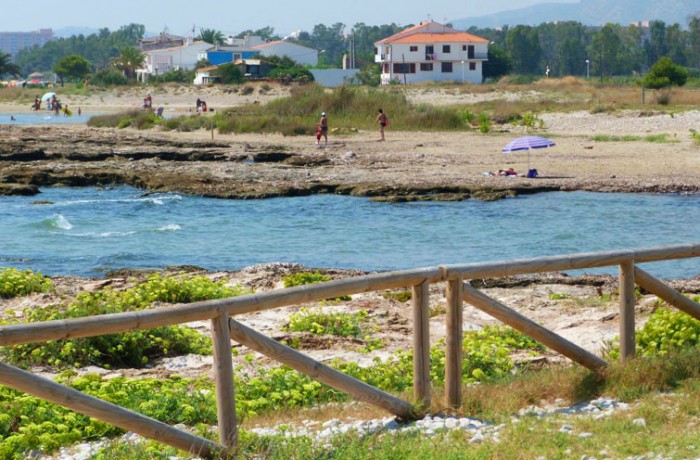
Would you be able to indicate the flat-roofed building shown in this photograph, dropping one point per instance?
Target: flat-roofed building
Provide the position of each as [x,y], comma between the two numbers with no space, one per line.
[12,42]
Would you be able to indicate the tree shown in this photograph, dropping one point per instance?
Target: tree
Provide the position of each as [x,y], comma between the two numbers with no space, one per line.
[99,49]
[523,45]
[268,33]
[215,37]
[7,67]
[229,74]
[664,74]
[499,63]
[694,39]
[72,66]
[129,60]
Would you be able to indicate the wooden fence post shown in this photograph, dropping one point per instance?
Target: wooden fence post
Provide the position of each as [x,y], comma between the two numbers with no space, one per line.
[453,344]
[225,390]
[627,301]
[421,343]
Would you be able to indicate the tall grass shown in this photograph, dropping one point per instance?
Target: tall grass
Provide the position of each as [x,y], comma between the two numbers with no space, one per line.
[347,107]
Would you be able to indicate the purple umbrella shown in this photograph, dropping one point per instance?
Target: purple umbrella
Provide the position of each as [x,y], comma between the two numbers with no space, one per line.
[528,143]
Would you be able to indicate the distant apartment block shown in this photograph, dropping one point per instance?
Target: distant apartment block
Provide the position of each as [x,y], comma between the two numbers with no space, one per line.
[12,42]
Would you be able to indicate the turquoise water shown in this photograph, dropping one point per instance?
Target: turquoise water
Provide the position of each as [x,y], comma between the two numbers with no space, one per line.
[88,231]
[43,117]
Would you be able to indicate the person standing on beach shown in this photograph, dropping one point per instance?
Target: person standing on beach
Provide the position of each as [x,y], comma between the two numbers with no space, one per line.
[382,120]
[323,125]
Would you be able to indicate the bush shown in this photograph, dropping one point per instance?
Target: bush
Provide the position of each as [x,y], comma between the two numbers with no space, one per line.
[332,323]
[14,283]
[666,332]
[108,77]
[664,74]
[174,76]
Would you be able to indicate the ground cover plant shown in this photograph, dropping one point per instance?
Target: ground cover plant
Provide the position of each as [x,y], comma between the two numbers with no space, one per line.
[303,278]
[132,349]
[14,282]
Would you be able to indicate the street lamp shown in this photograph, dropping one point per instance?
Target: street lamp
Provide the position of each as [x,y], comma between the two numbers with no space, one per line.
[588,69]
[462,72]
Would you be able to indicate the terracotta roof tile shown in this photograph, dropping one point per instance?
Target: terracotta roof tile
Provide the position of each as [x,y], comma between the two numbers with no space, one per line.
[430,35]
[460,37]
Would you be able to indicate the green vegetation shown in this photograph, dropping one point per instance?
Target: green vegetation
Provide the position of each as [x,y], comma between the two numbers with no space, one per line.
[98,49]
[302,278]
[400,296]
[664,73]
[7,67]
[331,323]
[72,66]
[14,282]
[667,330]
[136,119]
[132,349]
[28,423]
[655,138]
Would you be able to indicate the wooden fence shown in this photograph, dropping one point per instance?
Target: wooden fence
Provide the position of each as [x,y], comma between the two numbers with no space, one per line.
[224,328]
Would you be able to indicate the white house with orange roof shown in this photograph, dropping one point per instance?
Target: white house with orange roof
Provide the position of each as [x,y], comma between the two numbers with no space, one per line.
[431,52]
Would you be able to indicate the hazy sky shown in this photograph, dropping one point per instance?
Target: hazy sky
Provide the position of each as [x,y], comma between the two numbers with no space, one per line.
[233,17]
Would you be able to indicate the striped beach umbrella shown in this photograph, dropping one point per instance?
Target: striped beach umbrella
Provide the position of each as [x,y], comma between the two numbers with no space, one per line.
[528,143]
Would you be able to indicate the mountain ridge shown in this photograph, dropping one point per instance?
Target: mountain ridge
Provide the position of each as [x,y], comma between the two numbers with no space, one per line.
[589,12]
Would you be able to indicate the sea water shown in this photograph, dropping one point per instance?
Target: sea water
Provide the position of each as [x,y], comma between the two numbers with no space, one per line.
[42,117]
[89,231]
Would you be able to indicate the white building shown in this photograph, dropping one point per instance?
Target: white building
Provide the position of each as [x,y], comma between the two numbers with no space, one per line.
[300,54]
[431,52]
[160,61]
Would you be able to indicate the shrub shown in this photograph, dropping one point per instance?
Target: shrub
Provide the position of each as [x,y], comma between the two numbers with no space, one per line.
[666,332]
[14,282]
[299,279]
[484,123]
[108,77]
[401,296]
[332,323]
[664,74]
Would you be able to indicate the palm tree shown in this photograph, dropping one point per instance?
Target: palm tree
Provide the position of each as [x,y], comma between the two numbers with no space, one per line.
[7,67]
[215,37]
[129,60]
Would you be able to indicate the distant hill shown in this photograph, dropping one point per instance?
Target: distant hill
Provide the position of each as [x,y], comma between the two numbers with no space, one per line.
[590,12]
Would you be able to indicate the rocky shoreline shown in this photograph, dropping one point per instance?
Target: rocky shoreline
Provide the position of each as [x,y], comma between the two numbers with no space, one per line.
[451,166]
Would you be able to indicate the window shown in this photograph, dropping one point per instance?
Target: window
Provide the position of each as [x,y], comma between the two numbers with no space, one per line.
[470,52]
[426,67]
[404,68]
[429,49]
[464,47]
[413,49]
[446,67]
[445,48]
[472,66]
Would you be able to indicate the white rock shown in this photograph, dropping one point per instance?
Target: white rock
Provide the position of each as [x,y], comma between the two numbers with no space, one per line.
[639,422]
[585,435]
[477,438]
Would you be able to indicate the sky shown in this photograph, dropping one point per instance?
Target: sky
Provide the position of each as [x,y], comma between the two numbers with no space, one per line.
[233,17]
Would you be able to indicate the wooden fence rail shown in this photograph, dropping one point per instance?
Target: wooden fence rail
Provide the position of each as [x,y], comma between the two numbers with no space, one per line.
[224,329]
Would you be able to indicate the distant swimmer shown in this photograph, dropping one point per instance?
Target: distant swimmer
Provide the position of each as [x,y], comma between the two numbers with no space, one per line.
[12,118]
